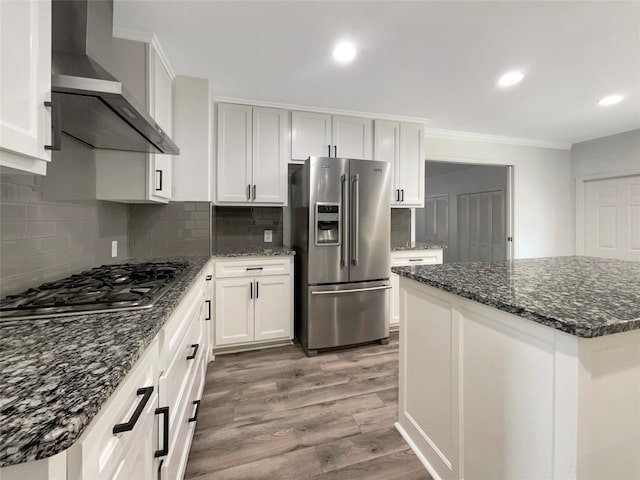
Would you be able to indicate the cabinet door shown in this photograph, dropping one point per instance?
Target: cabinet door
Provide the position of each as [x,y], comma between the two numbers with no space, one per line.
[25,76]
[234,153]
[386,148]
[160,103]
[270,155]
[394,318]
[310,135]
[351,137]
[272,307]
[234,310]
[410,168]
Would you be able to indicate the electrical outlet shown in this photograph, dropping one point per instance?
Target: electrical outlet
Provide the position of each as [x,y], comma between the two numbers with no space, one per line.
[114,248]
[268,236]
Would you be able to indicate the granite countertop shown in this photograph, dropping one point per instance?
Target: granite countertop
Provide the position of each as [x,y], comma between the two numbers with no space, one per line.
[56,373]
[252,252]
[583,296]
[397,247]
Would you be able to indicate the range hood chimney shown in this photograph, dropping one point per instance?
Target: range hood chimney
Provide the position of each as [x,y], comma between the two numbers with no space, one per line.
[95,108]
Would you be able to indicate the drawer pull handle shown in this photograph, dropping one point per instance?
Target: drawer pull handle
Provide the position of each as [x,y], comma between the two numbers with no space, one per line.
[254,268]
[416,259]
[128,426]
[208,302]
[195,347]
[56,126]
[164,411]
[195,414]
[209,277]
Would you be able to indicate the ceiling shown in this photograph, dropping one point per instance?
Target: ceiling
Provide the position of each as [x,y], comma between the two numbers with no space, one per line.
[434,61]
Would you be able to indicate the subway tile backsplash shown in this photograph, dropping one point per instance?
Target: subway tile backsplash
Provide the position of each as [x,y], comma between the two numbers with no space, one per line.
[400,225]
[44,238]
[176,228]
[244,226]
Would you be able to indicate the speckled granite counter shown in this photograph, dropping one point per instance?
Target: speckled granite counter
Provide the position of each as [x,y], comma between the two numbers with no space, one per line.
[56,373]
[253,252]
[398,247]
[583,296]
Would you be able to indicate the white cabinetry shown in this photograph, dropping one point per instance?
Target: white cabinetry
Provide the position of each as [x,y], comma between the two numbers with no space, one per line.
[252,155]
[132,177]
[322,135]
[253,301]
[193,132]
[408,258]
[402,144]
[25,77]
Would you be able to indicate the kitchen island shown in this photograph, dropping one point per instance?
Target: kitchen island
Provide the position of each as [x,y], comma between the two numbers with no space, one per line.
[522,369]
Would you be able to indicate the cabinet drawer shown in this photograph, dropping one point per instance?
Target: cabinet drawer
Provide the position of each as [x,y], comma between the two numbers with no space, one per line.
[416,257]
[253,268]
[100,453]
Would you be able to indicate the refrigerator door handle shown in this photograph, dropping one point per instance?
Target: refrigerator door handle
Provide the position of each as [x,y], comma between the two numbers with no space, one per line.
[354,290]
[355,237]
[343,203]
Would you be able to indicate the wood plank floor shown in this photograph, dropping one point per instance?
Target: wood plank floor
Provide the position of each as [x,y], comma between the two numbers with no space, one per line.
[276,414]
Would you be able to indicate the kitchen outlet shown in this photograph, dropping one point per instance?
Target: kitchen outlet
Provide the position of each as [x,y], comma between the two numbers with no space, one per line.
[114,248]
[268,236]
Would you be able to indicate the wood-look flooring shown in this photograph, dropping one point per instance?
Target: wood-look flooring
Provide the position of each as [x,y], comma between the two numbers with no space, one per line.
[276,414]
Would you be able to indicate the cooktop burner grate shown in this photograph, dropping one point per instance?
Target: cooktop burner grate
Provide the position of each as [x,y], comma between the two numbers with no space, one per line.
[107,288]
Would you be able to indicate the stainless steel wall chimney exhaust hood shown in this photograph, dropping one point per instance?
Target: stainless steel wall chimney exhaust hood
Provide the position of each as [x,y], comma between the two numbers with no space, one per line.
[95,108]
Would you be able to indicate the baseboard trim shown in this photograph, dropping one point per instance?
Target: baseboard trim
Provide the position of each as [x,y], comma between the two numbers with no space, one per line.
[252,346]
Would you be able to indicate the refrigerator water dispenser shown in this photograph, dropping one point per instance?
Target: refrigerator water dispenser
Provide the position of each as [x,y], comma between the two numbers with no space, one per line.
[328,227]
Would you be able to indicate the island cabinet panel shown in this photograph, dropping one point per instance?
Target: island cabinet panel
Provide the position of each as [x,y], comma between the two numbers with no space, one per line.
[485,394]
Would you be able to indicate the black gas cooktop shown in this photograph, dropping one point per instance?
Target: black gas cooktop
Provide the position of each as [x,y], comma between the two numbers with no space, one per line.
[107,288]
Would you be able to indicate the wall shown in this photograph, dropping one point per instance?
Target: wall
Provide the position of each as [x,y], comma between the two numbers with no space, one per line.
[176,228]
[469,180]
[543,217]
[607,156]
[244,226]
[52,226]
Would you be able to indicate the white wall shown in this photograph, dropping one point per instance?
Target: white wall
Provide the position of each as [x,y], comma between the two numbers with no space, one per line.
[543,199]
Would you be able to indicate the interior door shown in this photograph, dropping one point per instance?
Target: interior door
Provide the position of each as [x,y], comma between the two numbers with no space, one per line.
[612,218]
[481,226]
[370,220]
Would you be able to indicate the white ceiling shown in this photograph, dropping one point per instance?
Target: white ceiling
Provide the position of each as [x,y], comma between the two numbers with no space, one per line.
[436,61]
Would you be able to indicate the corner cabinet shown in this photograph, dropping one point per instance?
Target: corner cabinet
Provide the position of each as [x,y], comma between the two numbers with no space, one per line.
[132,177]
[25,76]
[322,135]
[252,155]
[402,145]
[253,301]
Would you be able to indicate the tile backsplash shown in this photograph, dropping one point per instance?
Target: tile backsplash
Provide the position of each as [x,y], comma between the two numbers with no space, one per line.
[244,226]
[400,225]
[44,238]
[177,228]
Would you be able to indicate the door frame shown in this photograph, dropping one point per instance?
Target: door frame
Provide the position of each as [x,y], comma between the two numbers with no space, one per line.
[510,196]
[580,199]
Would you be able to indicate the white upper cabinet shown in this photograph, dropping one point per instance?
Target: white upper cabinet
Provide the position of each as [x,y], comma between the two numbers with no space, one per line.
[192,177]
[25,79]
[402,144]
[323,135]
[133,177]
[252,155]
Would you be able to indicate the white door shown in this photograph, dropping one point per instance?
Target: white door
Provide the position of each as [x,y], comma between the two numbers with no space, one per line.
[351,137]
[481,226]
[310,135]
[410,165]
[612,218]
[386,148]
[234,310]
[272,307]
[270,155]
[25,77]
[234,153]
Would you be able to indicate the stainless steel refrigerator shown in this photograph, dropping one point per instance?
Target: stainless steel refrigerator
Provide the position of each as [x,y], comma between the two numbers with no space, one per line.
[341,235]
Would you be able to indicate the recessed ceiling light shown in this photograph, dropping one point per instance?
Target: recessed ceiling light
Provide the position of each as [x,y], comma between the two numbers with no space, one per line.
[611,100]
[510,78]
[344,52]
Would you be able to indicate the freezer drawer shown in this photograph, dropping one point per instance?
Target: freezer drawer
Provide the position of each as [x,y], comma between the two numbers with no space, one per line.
[346,314]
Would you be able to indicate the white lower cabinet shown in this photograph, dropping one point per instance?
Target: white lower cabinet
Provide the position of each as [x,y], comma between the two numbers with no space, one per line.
[253,301]
[408,258]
